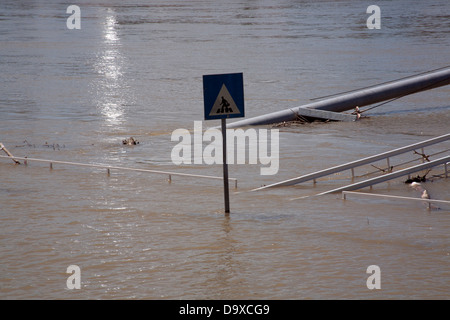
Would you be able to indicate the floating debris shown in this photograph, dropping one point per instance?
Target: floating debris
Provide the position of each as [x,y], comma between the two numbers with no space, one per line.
[299,120]
[423,155]
[130,141]
[54,146]
[418,179]
[388,170]
[26,144]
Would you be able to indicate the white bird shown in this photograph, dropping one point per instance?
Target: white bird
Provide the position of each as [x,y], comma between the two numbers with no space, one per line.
[425,195]
[417,186]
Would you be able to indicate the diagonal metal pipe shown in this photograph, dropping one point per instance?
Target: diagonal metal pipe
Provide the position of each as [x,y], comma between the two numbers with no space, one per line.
[363,97]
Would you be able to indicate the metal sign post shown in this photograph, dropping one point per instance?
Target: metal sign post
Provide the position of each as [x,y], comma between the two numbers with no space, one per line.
[223,96]
[226,192]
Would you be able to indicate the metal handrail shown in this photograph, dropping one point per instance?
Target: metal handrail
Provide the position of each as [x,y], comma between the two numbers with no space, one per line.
[390,176]
[357,163]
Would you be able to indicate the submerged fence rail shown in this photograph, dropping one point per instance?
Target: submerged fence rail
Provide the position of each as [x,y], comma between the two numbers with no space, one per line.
[109,167]
[345,194]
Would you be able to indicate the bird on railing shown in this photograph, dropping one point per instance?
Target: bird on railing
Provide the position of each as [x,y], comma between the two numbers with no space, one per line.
[424,194]
[418,187]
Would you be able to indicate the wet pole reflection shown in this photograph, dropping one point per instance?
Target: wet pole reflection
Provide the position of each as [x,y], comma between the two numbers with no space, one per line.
[225,277]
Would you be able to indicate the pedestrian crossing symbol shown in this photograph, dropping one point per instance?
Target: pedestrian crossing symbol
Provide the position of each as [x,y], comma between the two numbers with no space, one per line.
[224,104]
[223,96]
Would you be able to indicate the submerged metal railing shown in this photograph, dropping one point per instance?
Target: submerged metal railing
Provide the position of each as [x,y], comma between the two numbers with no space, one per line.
[109,168]
[358,163]
[393,175]
[345,194]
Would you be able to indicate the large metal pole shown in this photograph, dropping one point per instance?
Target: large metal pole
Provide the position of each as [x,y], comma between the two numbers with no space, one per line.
[364,97]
